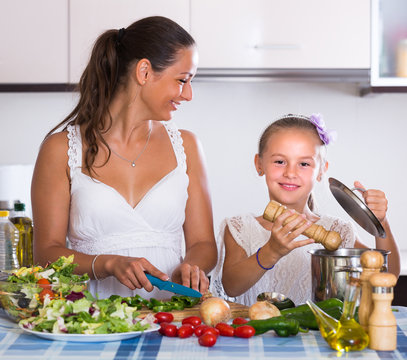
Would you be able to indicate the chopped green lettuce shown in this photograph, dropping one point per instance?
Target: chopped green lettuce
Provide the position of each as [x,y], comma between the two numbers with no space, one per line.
[86,316]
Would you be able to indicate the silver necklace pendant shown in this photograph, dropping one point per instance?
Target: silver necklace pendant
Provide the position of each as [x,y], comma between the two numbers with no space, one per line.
[133,163]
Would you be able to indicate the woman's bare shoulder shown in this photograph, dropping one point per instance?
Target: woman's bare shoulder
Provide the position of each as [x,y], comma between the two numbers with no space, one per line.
[53,153]
[191,143]
[188,137]
[56,144]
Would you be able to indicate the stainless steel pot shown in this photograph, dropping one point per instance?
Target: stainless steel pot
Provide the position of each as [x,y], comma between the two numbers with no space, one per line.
[331,270]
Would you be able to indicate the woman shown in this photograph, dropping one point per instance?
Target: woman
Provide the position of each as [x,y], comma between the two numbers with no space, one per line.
[120,180]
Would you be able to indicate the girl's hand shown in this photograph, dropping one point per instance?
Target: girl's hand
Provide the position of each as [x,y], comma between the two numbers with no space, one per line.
[130,271]
[375,201]
[282,240]
[191,276]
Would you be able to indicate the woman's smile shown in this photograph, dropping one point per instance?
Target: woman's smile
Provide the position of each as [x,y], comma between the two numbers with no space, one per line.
[174,105]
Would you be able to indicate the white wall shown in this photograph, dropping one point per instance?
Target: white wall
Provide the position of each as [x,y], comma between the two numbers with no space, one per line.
[228,117]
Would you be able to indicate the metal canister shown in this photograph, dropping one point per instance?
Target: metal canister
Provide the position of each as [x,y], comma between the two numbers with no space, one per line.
[331,270]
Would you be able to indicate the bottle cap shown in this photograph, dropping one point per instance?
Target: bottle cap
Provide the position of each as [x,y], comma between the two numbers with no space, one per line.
[6,205]
[4,213]
[19,207]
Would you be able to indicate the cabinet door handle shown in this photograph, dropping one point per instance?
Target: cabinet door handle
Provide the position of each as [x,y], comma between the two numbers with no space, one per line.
[277,46]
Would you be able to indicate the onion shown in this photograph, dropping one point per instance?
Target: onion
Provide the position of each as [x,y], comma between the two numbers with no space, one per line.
[263,310]
[215,310]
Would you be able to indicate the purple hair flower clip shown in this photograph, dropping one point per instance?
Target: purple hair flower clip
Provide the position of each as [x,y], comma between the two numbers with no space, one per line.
[327,136]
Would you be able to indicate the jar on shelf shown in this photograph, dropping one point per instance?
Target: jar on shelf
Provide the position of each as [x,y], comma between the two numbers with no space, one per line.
[401,58]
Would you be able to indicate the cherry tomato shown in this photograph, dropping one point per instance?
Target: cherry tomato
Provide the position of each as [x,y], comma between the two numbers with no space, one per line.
[245,331]
[239,321]
[225,329]
[193,320]
[185,331]
[164,317]
[200,329]
[163,325]
[45,292]
[170,330]
[207,339]
[211,330]
[44,283]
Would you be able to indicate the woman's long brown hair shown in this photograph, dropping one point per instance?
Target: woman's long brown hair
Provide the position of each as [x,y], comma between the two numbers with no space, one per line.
[155,38]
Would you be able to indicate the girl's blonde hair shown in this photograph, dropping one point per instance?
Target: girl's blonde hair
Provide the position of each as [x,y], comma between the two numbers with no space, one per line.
[291,121]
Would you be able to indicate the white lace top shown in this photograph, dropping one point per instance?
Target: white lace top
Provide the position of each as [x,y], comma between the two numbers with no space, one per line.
[102,222]
[291,275]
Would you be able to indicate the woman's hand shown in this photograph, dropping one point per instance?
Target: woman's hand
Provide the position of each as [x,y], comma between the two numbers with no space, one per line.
[191,276]
[130,271]
[282,239]
[375,200]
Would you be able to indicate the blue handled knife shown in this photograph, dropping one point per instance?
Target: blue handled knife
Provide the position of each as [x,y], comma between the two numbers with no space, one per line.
[173,287]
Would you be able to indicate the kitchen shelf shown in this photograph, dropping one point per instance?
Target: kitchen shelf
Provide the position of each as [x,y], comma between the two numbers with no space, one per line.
[388,46]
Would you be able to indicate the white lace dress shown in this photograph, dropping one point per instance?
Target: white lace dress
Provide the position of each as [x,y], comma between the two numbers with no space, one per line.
[102,222]
[291,275]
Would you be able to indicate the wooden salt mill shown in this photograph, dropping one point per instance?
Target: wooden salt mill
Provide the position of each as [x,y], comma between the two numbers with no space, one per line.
[329,239]
[371,261]
[382,322]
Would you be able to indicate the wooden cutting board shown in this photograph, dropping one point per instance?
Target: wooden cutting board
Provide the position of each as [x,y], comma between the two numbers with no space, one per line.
[236,309]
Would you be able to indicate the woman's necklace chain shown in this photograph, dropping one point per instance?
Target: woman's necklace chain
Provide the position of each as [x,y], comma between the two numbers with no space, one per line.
[133,162]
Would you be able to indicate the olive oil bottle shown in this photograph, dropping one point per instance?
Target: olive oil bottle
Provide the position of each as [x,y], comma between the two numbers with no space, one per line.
[24,225]
[346,334]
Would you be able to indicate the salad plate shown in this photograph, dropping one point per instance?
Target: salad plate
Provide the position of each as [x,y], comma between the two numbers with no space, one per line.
[90,337]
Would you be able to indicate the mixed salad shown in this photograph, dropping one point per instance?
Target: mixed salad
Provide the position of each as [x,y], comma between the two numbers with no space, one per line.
[53,299]
[27,289]
[81,313]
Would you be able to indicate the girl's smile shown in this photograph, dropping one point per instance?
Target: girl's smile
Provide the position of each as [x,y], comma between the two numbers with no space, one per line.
[289,187]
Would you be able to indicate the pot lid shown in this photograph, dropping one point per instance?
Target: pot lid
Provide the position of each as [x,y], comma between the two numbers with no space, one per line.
[356,208]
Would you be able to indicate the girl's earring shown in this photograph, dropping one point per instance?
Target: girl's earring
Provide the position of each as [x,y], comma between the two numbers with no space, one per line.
[260,173]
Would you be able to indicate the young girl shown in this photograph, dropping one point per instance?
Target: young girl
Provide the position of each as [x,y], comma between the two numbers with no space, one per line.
[257,255]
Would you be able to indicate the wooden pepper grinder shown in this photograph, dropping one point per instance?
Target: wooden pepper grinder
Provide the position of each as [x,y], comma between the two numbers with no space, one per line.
[329,239]
[382,322]
[371,261]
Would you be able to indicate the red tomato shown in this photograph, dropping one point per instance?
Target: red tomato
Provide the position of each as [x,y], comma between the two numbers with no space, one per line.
[225,329]
[211,330]
[207,339]
[45,292]
[245,331]
[164,317]
[163,325]
[239,321]
[200,329]
[185,331]
[44,283]
[193,320]
[170,330]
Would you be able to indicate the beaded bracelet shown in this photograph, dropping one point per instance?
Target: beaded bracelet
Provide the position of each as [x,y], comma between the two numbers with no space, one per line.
[257,257]
[93,267]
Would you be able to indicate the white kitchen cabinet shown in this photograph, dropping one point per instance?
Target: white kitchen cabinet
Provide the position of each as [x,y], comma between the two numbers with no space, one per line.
[34,41]
[389,44]
[285,34]
[88,19]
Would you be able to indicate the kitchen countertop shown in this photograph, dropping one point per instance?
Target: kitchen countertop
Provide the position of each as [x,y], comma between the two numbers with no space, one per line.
[15,344]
